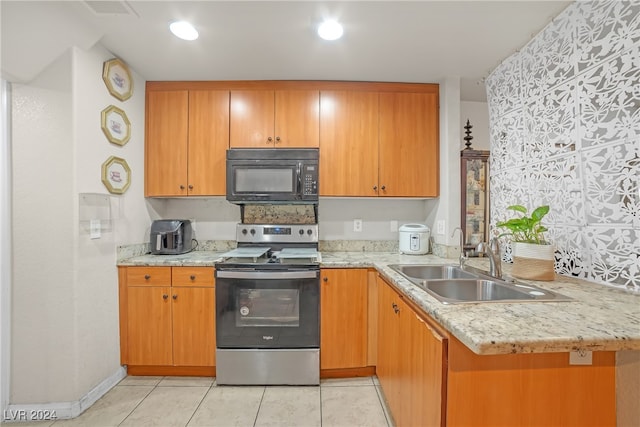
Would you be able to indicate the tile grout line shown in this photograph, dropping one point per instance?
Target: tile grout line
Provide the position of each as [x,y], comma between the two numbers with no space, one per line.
[255,420]
[199,404]
[140,403]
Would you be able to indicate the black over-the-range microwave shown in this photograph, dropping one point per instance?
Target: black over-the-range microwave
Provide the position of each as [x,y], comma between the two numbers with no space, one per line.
[272,175]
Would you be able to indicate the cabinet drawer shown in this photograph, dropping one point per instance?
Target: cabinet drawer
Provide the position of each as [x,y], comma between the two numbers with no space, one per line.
[193,276]
[149,276]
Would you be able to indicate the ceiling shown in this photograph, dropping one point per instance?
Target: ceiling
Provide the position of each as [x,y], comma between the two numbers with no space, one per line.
[415,41]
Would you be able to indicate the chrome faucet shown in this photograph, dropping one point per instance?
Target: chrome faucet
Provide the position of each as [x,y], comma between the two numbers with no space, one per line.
[462,259]
[493,251]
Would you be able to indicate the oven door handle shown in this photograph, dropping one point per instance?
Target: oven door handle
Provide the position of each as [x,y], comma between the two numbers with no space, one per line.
[230,274]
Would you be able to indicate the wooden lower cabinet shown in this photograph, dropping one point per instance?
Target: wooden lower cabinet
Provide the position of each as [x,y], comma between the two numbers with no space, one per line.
[167,319]
[430,378]
[344,318]
[411,362]
[193,314]
[149,326]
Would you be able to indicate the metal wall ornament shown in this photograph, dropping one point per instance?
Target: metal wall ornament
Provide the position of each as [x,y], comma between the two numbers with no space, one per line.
[117,77]
[116,125]
[116,175]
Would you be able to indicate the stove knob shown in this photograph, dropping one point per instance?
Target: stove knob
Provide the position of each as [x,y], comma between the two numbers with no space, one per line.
[253,232]
[244,231]
[309,232]
[301,231]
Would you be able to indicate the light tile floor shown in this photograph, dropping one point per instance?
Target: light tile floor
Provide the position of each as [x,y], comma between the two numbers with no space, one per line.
[199,402]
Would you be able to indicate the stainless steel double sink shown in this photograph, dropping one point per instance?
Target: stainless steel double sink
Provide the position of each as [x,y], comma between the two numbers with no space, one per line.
[450,284]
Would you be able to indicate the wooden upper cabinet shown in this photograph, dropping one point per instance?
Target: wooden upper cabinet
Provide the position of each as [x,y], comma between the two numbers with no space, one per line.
[409,141]
[348,143]
[186,141]
[297,121]
[280,119]
[167,136]
[251,121]
[208,142]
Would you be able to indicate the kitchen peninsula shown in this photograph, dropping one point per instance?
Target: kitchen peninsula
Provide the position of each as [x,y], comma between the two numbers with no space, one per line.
[497,355]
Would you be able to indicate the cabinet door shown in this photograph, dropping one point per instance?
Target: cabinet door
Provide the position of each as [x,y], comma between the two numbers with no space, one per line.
[193,326]
[149,325]
[411,362]
[425,371]
[167,116]
[409,142]
[208,142]
[251,118]
[344,314]
[348,143]
[389,353]
[297,118]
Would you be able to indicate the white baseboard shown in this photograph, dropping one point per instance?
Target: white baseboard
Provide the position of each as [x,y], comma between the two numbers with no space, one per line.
[62,410]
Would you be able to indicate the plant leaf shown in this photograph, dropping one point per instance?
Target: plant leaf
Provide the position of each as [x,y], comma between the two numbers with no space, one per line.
[518,208]
[540,212]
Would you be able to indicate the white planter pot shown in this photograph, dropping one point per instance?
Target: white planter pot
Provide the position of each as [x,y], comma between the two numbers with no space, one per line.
[533,262]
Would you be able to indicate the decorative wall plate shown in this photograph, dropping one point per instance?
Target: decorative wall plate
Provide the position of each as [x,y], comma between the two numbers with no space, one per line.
[117,77]
[116,125]
[116,175]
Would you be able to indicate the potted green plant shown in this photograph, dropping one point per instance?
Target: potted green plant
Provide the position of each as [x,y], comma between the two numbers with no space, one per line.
[533,255]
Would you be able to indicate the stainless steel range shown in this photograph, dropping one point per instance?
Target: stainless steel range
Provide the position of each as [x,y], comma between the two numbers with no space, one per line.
[267,307]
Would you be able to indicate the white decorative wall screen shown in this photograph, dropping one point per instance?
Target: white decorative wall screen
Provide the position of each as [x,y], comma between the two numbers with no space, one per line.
[564,118]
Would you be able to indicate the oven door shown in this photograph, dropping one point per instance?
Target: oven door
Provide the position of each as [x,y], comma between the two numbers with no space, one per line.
[267,309]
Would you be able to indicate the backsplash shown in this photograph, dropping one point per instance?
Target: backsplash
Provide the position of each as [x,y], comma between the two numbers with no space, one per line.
[565,131]
[279,214]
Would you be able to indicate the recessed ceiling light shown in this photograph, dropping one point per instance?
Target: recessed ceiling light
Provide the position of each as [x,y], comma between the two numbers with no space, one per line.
[330,30]
[183,30]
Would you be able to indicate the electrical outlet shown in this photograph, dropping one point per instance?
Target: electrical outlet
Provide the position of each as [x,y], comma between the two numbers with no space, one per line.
[357,225]
[440,225]
[581,357]
[393,226]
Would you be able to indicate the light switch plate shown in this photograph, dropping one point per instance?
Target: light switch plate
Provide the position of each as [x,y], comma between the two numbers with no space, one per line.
[94,229]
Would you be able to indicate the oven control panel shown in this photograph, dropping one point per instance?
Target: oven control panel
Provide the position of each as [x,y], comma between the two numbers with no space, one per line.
[294,233]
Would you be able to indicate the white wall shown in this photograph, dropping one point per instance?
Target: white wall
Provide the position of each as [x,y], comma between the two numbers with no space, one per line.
[43,343]
[5,242]
[96,291]
[65,340]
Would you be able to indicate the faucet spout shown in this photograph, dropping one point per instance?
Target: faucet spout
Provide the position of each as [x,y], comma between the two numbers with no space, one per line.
[462,259]
[492,249]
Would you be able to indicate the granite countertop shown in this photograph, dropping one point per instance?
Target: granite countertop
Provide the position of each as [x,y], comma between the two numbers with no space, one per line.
[600,318]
